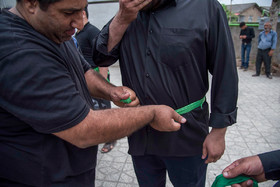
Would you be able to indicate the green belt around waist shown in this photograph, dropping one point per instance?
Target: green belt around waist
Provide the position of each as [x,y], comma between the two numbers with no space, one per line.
[182,110]
[191,106]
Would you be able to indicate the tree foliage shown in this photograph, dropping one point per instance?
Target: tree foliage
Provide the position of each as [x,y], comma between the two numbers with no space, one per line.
[230,16]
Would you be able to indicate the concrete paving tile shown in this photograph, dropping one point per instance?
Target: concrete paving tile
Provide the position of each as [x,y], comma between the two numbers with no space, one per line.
[253,136]
[275,146]
[257,148]
[235,148]
[109,184]
[126,185]
[271,136]
[98,183]
[126,178]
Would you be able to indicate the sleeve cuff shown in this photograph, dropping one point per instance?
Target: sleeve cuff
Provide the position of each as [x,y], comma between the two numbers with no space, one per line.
[102,43]
[271,164]
[218,120]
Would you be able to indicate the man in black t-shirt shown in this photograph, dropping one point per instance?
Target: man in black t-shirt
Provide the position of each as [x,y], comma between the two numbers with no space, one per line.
[48,128]
[246,34]
[85,38]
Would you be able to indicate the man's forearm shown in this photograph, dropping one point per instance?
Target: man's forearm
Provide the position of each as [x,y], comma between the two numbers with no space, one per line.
[104,72]
[107,125]
[98,86]
[116,32]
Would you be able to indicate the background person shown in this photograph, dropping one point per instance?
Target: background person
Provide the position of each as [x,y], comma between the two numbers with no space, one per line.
[266,45]
[246,34]
[85,38]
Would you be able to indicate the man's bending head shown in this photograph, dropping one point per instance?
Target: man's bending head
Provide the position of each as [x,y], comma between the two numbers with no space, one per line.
[56,19]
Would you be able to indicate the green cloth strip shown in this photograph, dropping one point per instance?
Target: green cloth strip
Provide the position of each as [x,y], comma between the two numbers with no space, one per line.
[127,101]
[191,106]
[96,69]
[221,181]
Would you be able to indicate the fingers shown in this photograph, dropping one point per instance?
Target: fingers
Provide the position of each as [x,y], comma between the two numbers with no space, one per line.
[139,3]
[248,183]
[177,120]
[177,117]
[233,170]
[134,5]
[175,126]
[134,102]
[143,4]
[204,152]
[212,158]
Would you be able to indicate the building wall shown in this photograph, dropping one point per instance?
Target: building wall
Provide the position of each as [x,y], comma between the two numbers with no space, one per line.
[235,31]
[254,12]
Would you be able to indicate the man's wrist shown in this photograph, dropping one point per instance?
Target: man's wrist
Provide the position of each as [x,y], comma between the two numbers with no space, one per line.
[121,21]
[220,131]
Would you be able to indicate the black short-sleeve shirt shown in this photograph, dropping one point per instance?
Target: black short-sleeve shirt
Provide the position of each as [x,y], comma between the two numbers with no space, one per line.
[42,91]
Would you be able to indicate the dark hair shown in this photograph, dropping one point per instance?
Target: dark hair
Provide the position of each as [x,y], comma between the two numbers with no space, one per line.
[44,4]
[241,24]
[86,10]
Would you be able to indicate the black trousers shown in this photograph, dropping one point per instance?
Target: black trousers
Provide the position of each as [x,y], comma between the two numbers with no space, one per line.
[263,56]
[182,171]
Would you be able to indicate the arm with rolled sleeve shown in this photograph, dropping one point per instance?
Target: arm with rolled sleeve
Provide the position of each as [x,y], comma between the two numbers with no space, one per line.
[222,65]
[101,56]
[224,89]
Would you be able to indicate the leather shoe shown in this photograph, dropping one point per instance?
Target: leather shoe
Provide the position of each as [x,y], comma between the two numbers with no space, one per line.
[255,75]
[269,76]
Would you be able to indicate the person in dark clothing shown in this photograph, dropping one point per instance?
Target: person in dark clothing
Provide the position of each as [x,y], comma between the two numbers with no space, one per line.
[48,126]
[246,34]
[165,52]
[262,167]
[266,45]
[85,38]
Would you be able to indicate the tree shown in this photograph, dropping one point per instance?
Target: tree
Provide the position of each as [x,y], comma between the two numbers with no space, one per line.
[229,14]
[273,12]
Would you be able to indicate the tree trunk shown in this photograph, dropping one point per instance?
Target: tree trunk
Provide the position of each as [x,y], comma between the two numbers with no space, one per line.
[273,12]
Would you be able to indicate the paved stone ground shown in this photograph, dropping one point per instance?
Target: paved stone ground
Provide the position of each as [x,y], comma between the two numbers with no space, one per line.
[256,131]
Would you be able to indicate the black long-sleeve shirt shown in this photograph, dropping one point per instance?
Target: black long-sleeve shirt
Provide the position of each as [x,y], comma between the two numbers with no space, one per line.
[250,34]
[165,56]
